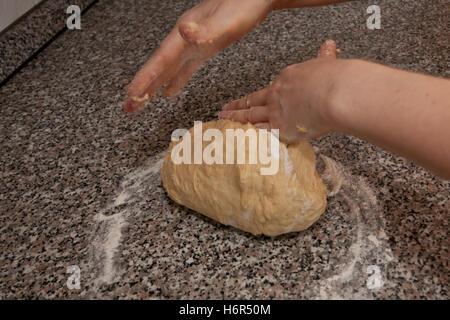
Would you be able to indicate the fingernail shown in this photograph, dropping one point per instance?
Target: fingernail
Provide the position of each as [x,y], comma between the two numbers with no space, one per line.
[129,105]
[329,43]
[138,99]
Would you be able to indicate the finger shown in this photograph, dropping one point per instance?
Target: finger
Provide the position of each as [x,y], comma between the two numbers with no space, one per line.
[327,49]
[134,103]
[183,76]
[258,98]
[252,115]
[131,105]
[168,53]
[153,88]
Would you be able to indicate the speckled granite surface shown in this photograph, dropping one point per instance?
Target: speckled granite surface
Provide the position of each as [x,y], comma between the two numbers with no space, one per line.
[24,38]
[79,177]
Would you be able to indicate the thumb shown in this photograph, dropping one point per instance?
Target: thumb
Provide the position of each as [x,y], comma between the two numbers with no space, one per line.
[327,50]
[193,32]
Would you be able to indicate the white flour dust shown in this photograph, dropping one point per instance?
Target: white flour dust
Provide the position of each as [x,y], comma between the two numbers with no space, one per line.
[111,242]
[369,240]
[111,220]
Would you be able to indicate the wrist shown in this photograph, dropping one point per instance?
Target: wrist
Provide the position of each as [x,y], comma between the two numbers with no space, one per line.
[284,4]
[346,85]
[277,4]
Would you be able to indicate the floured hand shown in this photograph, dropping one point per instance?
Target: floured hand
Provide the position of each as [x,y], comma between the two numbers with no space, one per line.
[199,34]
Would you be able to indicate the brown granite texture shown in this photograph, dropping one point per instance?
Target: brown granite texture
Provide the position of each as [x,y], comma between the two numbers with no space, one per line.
[80,182]
[21,40]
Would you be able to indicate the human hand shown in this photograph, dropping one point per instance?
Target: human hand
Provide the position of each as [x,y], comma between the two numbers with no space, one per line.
[297,102]
[199,34]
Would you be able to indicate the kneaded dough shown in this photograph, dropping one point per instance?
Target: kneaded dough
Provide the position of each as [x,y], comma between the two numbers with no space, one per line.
[238,195]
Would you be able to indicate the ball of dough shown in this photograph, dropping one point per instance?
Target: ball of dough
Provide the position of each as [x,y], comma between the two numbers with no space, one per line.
[238,195]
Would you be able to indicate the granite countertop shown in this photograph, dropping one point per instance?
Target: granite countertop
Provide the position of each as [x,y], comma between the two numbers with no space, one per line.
[25,37]
[80,179]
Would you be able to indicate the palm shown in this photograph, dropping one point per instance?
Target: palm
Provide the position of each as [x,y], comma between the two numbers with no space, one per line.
[199,34]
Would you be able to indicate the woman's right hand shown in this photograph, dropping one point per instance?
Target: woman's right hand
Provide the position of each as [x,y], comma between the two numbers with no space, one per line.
[199,34]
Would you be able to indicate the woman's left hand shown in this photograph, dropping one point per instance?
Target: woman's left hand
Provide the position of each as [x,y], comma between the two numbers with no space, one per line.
[297,102]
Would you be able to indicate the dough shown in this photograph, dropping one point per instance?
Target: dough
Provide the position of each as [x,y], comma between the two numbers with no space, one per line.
[238,195]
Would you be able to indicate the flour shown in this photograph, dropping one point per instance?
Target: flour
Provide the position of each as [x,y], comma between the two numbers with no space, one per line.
[107,234]
[112,241]
[370,240]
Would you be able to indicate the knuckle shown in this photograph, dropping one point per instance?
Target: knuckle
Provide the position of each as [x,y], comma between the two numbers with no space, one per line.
[242,102]
[290,67]
[288,70]
[250,116]
[184,17]
[276,86]
[250,99]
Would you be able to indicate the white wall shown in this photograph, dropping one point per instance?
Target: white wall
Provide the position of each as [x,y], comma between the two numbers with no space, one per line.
[11,10]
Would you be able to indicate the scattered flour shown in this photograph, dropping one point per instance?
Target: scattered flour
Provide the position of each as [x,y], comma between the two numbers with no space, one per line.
[370,240]
[107,233]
